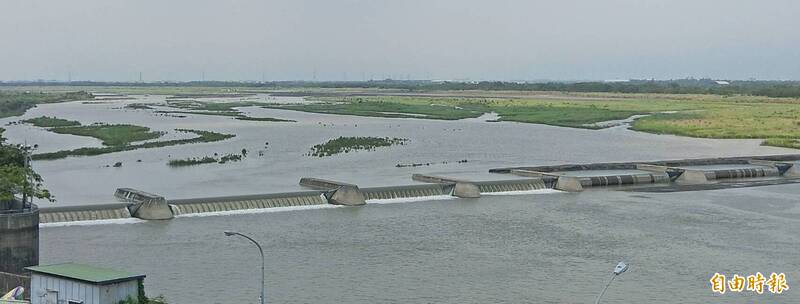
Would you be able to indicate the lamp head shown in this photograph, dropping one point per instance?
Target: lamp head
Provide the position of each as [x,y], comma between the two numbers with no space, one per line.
[230,233]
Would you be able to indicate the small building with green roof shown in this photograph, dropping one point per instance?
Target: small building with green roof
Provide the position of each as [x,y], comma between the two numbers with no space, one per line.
[71,283]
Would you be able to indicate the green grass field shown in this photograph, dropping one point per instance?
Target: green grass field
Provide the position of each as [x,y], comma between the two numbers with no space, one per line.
[393,107]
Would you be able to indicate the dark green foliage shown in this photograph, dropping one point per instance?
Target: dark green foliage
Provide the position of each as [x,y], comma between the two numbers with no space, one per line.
[15,178]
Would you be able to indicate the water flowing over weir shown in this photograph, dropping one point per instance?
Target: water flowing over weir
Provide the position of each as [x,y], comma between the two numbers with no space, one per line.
[515,185]
[83,213]
[413,191]
[659,176]
[231,203]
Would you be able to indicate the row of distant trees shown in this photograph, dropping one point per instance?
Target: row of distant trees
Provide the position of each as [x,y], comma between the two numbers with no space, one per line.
[679,86]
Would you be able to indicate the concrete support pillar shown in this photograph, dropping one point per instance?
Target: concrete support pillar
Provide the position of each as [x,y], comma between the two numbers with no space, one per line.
[152,210]
[569,184]
[19,248]
[793,171]
[466,190]
[692,177]
[348,195]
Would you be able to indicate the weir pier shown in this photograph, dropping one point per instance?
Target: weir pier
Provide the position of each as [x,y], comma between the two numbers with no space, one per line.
[19,246]
[653,176]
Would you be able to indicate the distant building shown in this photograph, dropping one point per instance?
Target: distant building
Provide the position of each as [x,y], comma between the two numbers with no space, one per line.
[722,82]
[82,284]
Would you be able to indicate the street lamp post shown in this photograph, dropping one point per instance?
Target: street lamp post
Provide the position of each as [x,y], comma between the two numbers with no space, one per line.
[261,251]
[618,270]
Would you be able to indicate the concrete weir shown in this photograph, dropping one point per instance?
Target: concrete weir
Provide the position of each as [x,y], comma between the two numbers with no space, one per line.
[575,177]
[84,213]
[656,176]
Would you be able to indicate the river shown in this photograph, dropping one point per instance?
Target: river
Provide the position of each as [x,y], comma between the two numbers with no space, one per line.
[545,247]
[485,145]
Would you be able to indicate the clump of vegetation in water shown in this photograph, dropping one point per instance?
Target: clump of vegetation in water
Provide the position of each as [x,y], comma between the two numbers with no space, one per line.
[217,109]
[138,106]
[347,144]
[203,136]
[15,103]
[263,119]
[231,157]
[191,161]
[112,135]
[51,122]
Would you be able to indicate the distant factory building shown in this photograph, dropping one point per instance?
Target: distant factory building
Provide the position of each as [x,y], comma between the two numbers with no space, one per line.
[82,284]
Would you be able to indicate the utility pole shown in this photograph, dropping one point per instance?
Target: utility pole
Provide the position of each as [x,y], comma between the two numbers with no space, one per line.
[26,151]
[140,76]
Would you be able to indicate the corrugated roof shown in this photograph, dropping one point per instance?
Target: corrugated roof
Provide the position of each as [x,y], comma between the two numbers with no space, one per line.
[86,273]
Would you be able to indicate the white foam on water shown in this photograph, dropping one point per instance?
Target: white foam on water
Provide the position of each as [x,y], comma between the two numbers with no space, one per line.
[410,199]
[523,192]
[260,210]
[120,221]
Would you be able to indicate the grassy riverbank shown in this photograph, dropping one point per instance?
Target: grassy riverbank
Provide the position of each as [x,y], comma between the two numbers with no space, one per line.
[394,107]
[15,103]
[776,120]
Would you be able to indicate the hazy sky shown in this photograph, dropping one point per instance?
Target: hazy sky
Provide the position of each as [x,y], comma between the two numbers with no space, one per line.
[433,39]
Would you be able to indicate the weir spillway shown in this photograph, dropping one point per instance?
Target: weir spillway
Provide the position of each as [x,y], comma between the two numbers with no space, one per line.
[657,176]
